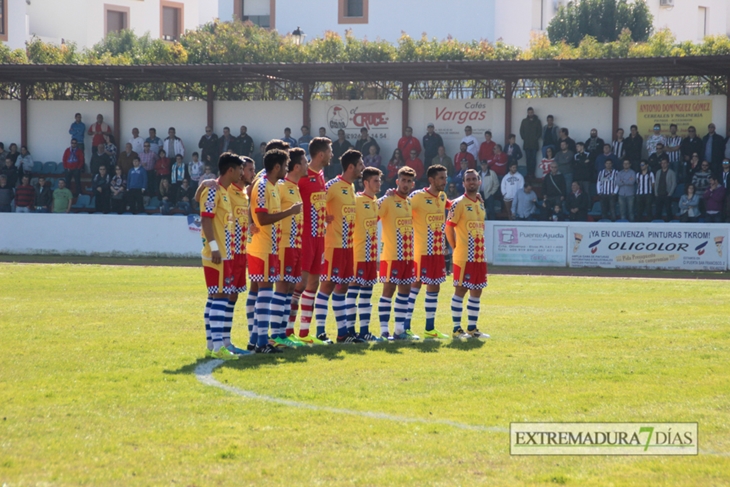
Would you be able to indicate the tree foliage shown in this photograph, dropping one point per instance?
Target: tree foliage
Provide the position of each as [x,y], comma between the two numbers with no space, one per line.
[603,20]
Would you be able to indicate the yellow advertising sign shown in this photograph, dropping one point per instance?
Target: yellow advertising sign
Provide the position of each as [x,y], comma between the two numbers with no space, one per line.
[683,112]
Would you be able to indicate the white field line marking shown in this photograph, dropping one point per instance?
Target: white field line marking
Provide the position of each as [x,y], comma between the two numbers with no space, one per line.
[204,373]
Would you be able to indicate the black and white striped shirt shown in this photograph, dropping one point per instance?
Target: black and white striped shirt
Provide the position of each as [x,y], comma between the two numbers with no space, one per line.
[618,148]
[675,141]
[645,183]
[607,182]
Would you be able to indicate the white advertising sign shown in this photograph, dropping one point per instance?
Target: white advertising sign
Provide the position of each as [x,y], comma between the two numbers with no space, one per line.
[529,245]
[653,247]
[351,116]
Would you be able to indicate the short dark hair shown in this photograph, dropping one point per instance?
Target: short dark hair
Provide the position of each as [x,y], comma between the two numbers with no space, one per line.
[673,125]
[511,136]
[565,131]
[472,171]
[579,143]
[550,116]
[434,170]
[273,158]
[227,128]
[305,127]
[370,172]
[246,160]
[295,157]
[318,144]
[287,128]
[530,108]
[350,158]
[276,144]
[634,127]
[406,171]
[195,154]
[228,160]
[488,132]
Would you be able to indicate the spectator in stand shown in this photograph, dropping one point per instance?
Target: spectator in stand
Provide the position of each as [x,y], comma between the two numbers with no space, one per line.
[226,143]
[607,155]
[166,196]
[43,196]
[195,169]
[583,169]
[136,141]
[73,165]
[666,183]
[691,144]
[13,153]
[565,137]
[373,159]
[499,162]
[530,131]
[117,187]
[323,133]
[725,174]
[713,148]
[444,160]
[305,139]
[365,141]
[462,155]
[10,172]
[553,187]
[417,165]
[101,186]
[136,186]
[633,146]
[701,178]
[550,137]
[185,195]
[24,163]
[452,192]
[644,191]
[288,138]
[654,139]
[24,196]
[3,152]
[244,142]
[626,180]
[714,198]
[208,174]
[258,159]
[208,145]
[544,167]
[391,172]
[77,131]
[607,190]
[673,148]
[62,198]
[578,204]
[98,131]
[154,141]
[511,183]
[178,172]
[472,144]
[564,159]
[690,169]
[594,147]
[173,145]
[339,147]
[523,206]
[488,189]
[513,151]
[556,214]
[99,158]
[689,205]
[148,159]
[163,167]
[655,160]
[7,194]
[110,148]
[431,143]
[409,143]
[459,178]
[126,158]
[486,149]
[617,146]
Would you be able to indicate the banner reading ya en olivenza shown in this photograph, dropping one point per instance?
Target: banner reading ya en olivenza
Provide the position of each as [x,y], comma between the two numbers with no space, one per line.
[654,247]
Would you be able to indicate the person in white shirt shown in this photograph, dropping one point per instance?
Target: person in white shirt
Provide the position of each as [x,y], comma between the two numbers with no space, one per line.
[472,144]
[488,188]
[196,169]
[136,141]
[173,145]
[654,139]
[511,183]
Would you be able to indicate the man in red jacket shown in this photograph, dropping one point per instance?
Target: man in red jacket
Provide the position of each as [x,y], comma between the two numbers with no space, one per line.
[486,150]
[464,155]
[498,161]
[73,165]
[408,143]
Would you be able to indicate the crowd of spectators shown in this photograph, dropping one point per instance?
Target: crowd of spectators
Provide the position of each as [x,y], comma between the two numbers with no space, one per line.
[665,177]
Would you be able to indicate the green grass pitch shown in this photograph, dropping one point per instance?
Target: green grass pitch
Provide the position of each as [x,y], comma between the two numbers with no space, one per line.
[97,386]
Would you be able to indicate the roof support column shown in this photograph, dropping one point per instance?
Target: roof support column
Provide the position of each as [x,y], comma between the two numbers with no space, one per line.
[616,96]
[508,94]
[117,115]
[306,105]
[209,100]
[23,114]
[405,95]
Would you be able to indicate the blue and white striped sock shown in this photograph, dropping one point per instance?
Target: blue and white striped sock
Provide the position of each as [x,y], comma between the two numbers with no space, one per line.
[472,313]
[339,307]
[412,296]
[250,313]
[351,307]
[263,316]
[228,322]
[278,328]
[206,320]
[400,310]
[364,309]
[432,300]
[457,303]
[384,306]
[321,303]
[217,322]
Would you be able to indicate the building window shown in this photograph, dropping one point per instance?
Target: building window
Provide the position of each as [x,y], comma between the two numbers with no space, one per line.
[702,23]
[116,18]
[258,12]
[353,11]
[171,20]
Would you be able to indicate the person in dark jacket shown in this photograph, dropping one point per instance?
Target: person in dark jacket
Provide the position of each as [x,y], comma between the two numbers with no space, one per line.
[582,168]
[208,146]
[553,187]
[691,144]
[43,196]
[10,172]
[633,145]
[713,148]
[578,204]
[531,131]
[714,197]
[431,143]
[101,186]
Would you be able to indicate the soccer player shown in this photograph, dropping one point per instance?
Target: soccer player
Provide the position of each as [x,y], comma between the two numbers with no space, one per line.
[465,233]
[396,262]
[339,260]
[315,215]
[263,251]
[429,207]
[215,212]
[290,250]
[365,252]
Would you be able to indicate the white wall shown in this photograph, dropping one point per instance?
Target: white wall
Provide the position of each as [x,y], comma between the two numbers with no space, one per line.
[16,24]
[265,120]
[10,122]
[683,18]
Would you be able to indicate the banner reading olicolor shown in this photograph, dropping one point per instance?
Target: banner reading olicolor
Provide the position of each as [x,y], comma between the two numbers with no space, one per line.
[655,246]
[529,245]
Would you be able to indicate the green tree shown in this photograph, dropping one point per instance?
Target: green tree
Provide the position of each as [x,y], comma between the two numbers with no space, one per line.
[602,19]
